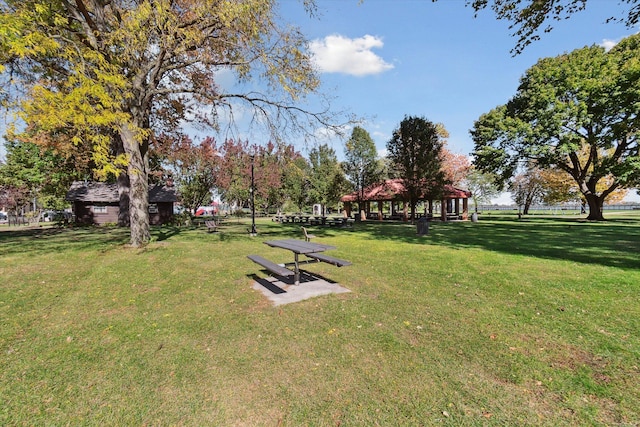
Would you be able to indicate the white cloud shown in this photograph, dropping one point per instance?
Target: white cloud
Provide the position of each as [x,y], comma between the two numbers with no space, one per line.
[338,54]
[608,44]
[328,134]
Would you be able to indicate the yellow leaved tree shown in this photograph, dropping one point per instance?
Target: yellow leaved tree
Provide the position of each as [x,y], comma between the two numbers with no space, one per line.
[108,76]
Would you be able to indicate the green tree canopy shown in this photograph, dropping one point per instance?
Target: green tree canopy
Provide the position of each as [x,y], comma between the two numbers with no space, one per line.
[361,164]
[528,17]
[482,186]
[326,177]
[296,182]
[415,151]
[39,173]
[580,102]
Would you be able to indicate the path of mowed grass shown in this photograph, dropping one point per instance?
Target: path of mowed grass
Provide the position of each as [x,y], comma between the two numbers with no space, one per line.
[499,322]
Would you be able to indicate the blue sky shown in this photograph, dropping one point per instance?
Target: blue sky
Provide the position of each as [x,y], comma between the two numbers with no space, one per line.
[385,59]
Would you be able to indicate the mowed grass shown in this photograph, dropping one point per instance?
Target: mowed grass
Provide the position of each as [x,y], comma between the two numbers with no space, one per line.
[501,322]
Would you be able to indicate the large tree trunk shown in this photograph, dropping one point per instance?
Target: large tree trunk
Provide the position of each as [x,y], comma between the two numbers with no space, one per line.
[138,170]
[123,185]
[595,207]
[413,211]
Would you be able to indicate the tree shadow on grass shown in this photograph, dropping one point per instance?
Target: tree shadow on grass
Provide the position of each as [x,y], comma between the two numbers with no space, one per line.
[38,240]
[613,243]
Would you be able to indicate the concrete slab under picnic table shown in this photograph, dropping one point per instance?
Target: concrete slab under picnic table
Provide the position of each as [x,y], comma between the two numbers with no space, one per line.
[281,290]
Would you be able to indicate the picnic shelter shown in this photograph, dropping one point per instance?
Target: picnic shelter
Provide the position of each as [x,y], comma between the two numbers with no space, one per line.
[453,203]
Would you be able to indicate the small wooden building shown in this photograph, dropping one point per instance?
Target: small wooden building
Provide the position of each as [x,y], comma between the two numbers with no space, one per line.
[98,203]
[394,192]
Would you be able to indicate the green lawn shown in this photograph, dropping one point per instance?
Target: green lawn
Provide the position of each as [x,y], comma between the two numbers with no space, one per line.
[500,322]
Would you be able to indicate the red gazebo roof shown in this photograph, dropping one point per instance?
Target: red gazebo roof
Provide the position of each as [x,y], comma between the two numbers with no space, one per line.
[394,189]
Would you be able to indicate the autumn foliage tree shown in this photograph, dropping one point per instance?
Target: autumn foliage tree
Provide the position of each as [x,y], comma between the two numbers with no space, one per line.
[271,163]
[193,168]
[527,189]
[558,187]
[456,167]
[233,175]
[96,71]
[233,181]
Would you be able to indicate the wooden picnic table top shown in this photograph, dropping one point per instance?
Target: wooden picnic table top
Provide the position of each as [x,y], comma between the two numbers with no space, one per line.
[299,246]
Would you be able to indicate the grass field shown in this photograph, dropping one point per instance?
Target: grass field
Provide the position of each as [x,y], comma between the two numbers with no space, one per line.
[500,322]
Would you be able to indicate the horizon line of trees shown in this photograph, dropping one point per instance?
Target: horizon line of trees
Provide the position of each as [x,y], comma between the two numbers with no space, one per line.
[282,175]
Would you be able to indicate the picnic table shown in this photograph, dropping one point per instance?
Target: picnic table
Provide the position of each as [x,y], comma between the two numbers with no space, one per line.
[313,251]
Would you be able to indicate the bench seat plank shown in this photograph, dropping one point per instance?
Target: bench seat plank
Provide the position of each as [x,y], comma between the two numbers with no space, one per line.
[329,259]
[271,266]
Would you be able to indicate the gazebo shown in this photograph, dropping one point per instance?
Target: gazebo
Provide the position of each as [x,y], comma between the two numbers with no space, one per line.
[393,191]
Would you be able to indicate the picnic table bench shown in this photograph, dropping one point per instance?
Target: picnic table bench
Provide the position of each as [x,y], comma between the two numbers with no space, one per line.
[271,266]
[313,251]
[329,259]
[211,226]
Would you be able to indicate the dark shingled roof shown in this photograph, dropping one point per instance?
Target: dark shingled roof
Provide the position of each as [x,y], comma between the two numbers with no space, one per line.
[100,192]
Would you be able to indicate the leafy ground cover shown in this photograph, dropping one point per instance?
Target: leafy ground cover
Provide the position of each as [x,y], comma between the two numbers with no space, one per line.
[500,322]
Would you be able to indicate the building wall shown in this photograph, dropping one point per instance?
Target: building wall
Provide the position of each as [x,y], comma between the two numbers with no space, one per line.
[103,214]
[159,213]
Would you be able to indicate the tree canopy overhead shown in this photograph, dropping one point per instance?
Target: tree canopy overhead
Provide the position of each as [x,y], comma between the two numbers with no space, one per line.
[578,113]
[93,71]
[529,17]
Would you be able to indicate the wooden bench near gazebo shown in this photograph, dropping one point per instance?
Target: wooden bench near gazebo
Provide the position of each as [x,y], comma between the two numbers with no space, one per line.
[394,192]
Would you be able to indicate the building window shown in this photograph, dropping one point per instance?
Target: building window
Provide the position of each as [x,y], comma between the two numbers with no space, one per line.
[99,209]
